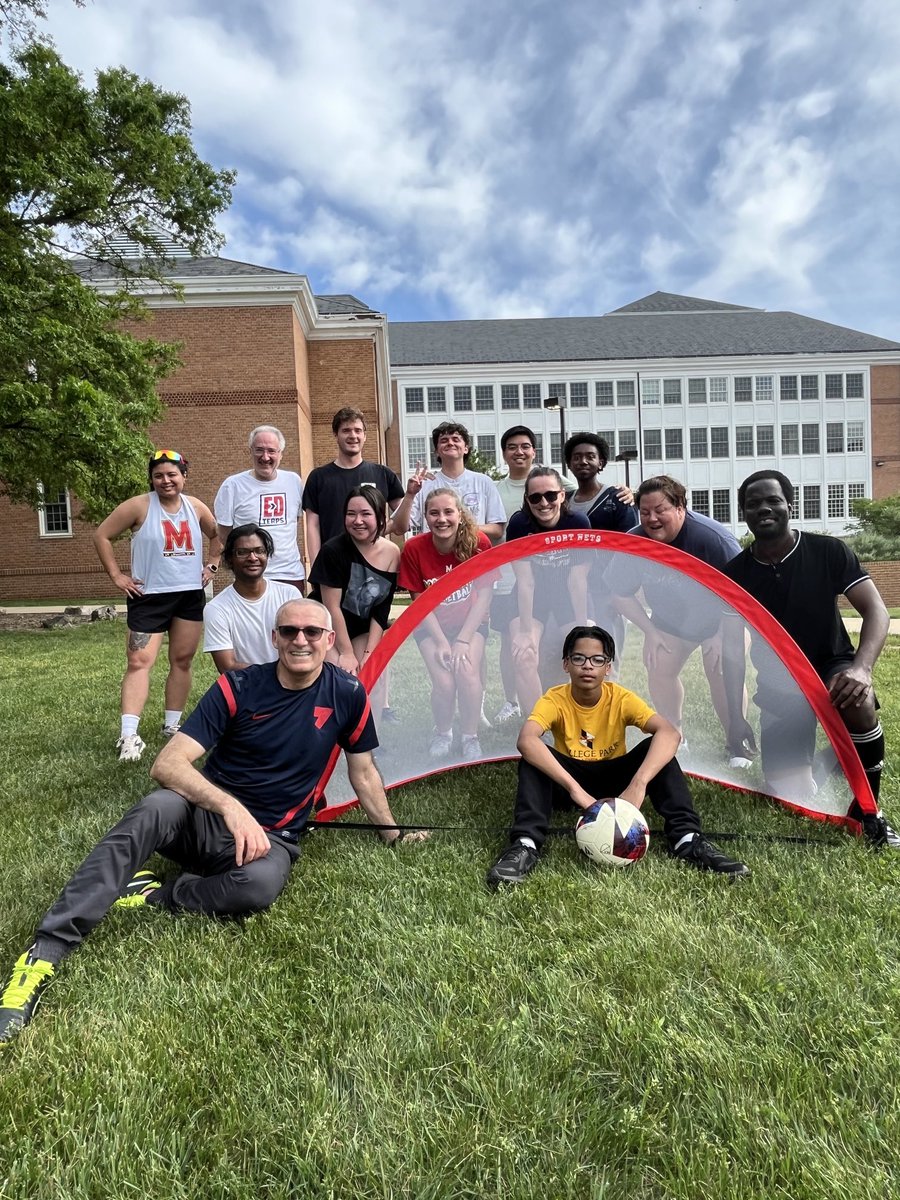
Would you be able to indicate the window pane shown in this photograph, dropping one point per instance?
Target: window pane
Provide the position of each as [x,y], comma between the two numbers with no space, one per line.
[854,389]
[718,389]
[578,394]
[609,436]
[834,437]
[437,399]
[531,395]
[415,400]
[696,391]
[721,505]
[487,445]
[764,388]
[812,502]
[416,451]
[834,387]
[810,439]
[790,439]
[54,514]
[627,439]
[674,443]
[556,447]
[603,392]
[743,389]
[809,387]
[856,491]
[557,390]
[462,399]
[856,440]
[539,447]
[765,440]
[653,444]
[699,443]
[788,387]
[509,396]
[700,501]
[484,397]
[837,505]
[671,391]
[743,441]
[625,393]
[650,391]
[718,441]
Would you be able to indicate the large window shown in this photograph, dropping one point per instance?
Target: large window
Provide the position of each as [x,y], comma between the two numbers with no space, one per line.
[834,437]
[790,439]
[809,387]
[743,389]
[556,447]
[856,437]
[437,399]
[674,443]
[416,451]
[700,500]
[743,441]
[539,448]
[765,440]
[609,436]
[671,391]
[721,505]
[578,394]
[718,441]
[699,443]
[837,504]
[509,396]
[603,393]
[462,398]
[557,391]
[487,445]
[415,400]
[696,391]
[718,389]
[55,515]
[649,391]
[854,389]
[531,395]
[855,491]
[627,440]
[812,502]
[788,387]
[834,387]
[810,442]
[653,444]
[765,388]
[625,393]
[484,397]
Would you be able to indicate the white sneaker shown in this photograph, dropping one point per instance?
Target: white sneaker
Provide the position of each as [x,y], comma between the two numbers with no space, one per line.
[169,731]
[509,712]
[130,748]
[471,748]
[440,745]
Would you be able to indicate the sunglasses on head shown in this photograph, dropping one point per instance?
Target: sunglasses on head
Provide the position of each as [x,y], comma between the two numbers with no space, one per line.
[537,497]
[169,455]
[312,633]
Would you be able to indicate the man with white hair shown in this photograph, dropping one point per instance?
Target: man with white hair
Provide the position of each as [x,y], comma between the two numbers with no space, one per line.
[232,825]
[270,498]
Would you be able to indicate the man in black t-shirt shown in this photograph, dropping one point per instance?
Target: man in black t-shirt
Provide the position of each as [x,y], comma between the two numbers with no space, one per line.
[232,825]
[798,576]
[328,487]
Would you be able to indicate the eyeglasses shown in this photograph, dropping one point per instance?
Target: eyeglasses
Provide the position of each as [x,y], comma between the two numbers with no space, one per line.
[242,552]
[170,455]
[536,497]
[312,633]
[596,660]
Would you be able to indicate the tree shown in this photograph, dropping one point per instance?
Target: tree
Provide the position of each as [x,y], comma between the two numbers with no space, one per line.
[878,522]
[80,169]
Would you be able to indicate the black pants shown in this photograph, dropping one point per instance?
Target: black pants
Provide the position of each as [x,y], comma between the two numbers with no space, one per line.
[165,823]
[537,795]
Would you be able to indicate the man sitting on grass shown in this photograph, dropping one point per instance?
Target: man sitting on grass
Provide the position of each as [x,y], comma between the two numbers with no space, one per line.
[233,825]
[588,718]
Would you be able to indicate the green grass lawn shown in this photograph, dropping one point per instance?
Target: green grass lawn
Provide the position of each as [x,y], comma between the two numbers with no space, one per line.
[391,1029]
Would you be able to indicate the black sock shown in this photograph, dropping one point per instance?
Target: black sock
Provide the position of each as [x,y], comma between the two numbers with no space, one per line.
[870,748]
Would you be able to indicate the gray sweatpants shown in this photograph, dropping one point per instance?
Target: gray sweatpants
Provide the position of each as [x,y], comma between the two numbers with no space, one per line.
[199,841]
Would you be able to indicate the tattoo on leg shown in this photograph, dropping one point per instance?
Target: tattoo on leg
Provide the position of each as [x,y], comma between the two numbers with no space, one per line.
[137,641]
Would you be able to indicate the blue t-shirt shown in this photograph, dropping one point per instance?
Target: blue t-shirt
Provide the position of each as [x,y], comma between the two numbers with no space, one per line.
[269,745]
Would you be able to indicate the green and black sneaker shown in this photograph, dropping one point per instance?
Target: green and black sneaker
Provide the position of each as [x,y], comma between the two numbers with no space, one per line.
[21,996]
[139,890]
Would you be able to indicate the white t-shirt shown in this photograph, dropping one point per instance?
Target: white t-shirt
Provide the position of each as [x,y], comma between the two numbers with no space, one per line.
[245,626]
[274,505]
[478,493]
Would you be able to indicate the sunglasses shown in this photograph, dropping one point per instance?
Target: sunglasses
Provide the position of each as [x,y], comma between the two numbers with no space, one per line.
[312,633]
[536,497]
[596,660]
[169,455]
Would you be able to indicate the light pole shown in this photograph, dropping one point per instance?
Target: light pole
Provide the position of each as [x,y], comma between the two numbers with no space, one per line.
[627,457]
[558,404]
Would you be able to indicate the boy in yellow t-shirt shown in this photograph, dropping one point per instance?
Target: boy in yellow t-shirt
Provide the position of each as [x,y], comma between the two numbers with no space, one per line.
[590,762]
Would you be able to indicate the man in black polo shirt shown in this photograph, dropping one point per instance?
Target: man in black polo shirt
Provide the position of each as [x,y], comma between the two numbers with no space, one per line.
[798,576]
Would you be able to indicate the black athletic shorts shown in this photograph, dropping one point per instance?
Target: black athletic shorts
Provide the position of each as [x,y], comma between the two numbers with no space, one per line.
[155,614]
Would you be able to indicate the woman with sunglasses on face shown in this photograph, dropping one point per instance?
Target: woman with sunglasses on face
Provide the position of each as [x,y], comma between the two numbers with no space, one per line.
[546,599]
[451,638]
[355,575]
[163,589]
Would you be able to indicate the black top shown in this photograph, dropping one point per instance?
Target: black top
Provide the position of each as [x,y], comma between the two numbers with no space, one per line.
[366,591]
[328,487]
[801,592]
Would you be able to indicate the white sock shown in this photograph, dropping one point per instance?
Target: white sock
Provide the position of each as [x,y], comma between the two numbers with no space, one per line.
[688,837]
[172,717]
[526,841]
[129,724]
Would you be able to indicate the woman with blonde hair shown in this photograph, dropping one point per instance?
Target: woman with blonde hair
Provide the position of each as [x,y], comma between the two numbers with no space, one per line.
[451,638]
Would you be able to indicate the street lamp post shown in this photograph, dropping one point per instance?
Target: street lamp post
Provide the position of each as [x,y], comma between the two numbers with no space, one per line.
[558,404]
[627,457]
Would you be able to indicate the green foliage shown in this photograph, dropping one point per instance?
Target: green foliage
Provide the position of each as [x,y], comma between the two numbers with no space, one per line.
[478,461]
[81,167]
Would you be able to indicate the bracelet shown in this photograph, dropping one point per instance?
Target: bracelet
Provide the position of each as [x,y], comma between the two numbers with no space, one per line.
[461,642]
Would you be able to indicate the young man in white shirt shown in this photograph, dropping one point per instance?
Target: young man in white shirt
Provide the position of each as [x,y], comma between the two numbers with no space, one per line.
[238,623]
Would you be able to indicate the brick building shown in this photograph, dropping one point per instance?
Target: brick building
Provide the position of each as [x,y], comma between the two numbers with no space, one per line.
[258,348]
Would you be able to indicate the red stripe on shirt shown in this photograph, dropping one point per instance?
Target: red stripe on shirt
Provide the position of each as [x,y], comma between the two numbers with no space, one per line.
[225,684]
[357,732]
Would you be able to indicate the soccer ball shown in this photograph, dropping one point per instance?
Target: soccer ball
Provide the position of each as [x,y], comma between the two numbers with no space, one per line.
[618,837]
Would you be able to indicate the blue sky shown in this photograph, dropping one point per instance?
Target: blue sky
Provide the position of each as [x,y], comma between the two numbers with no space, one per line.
[516,158]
